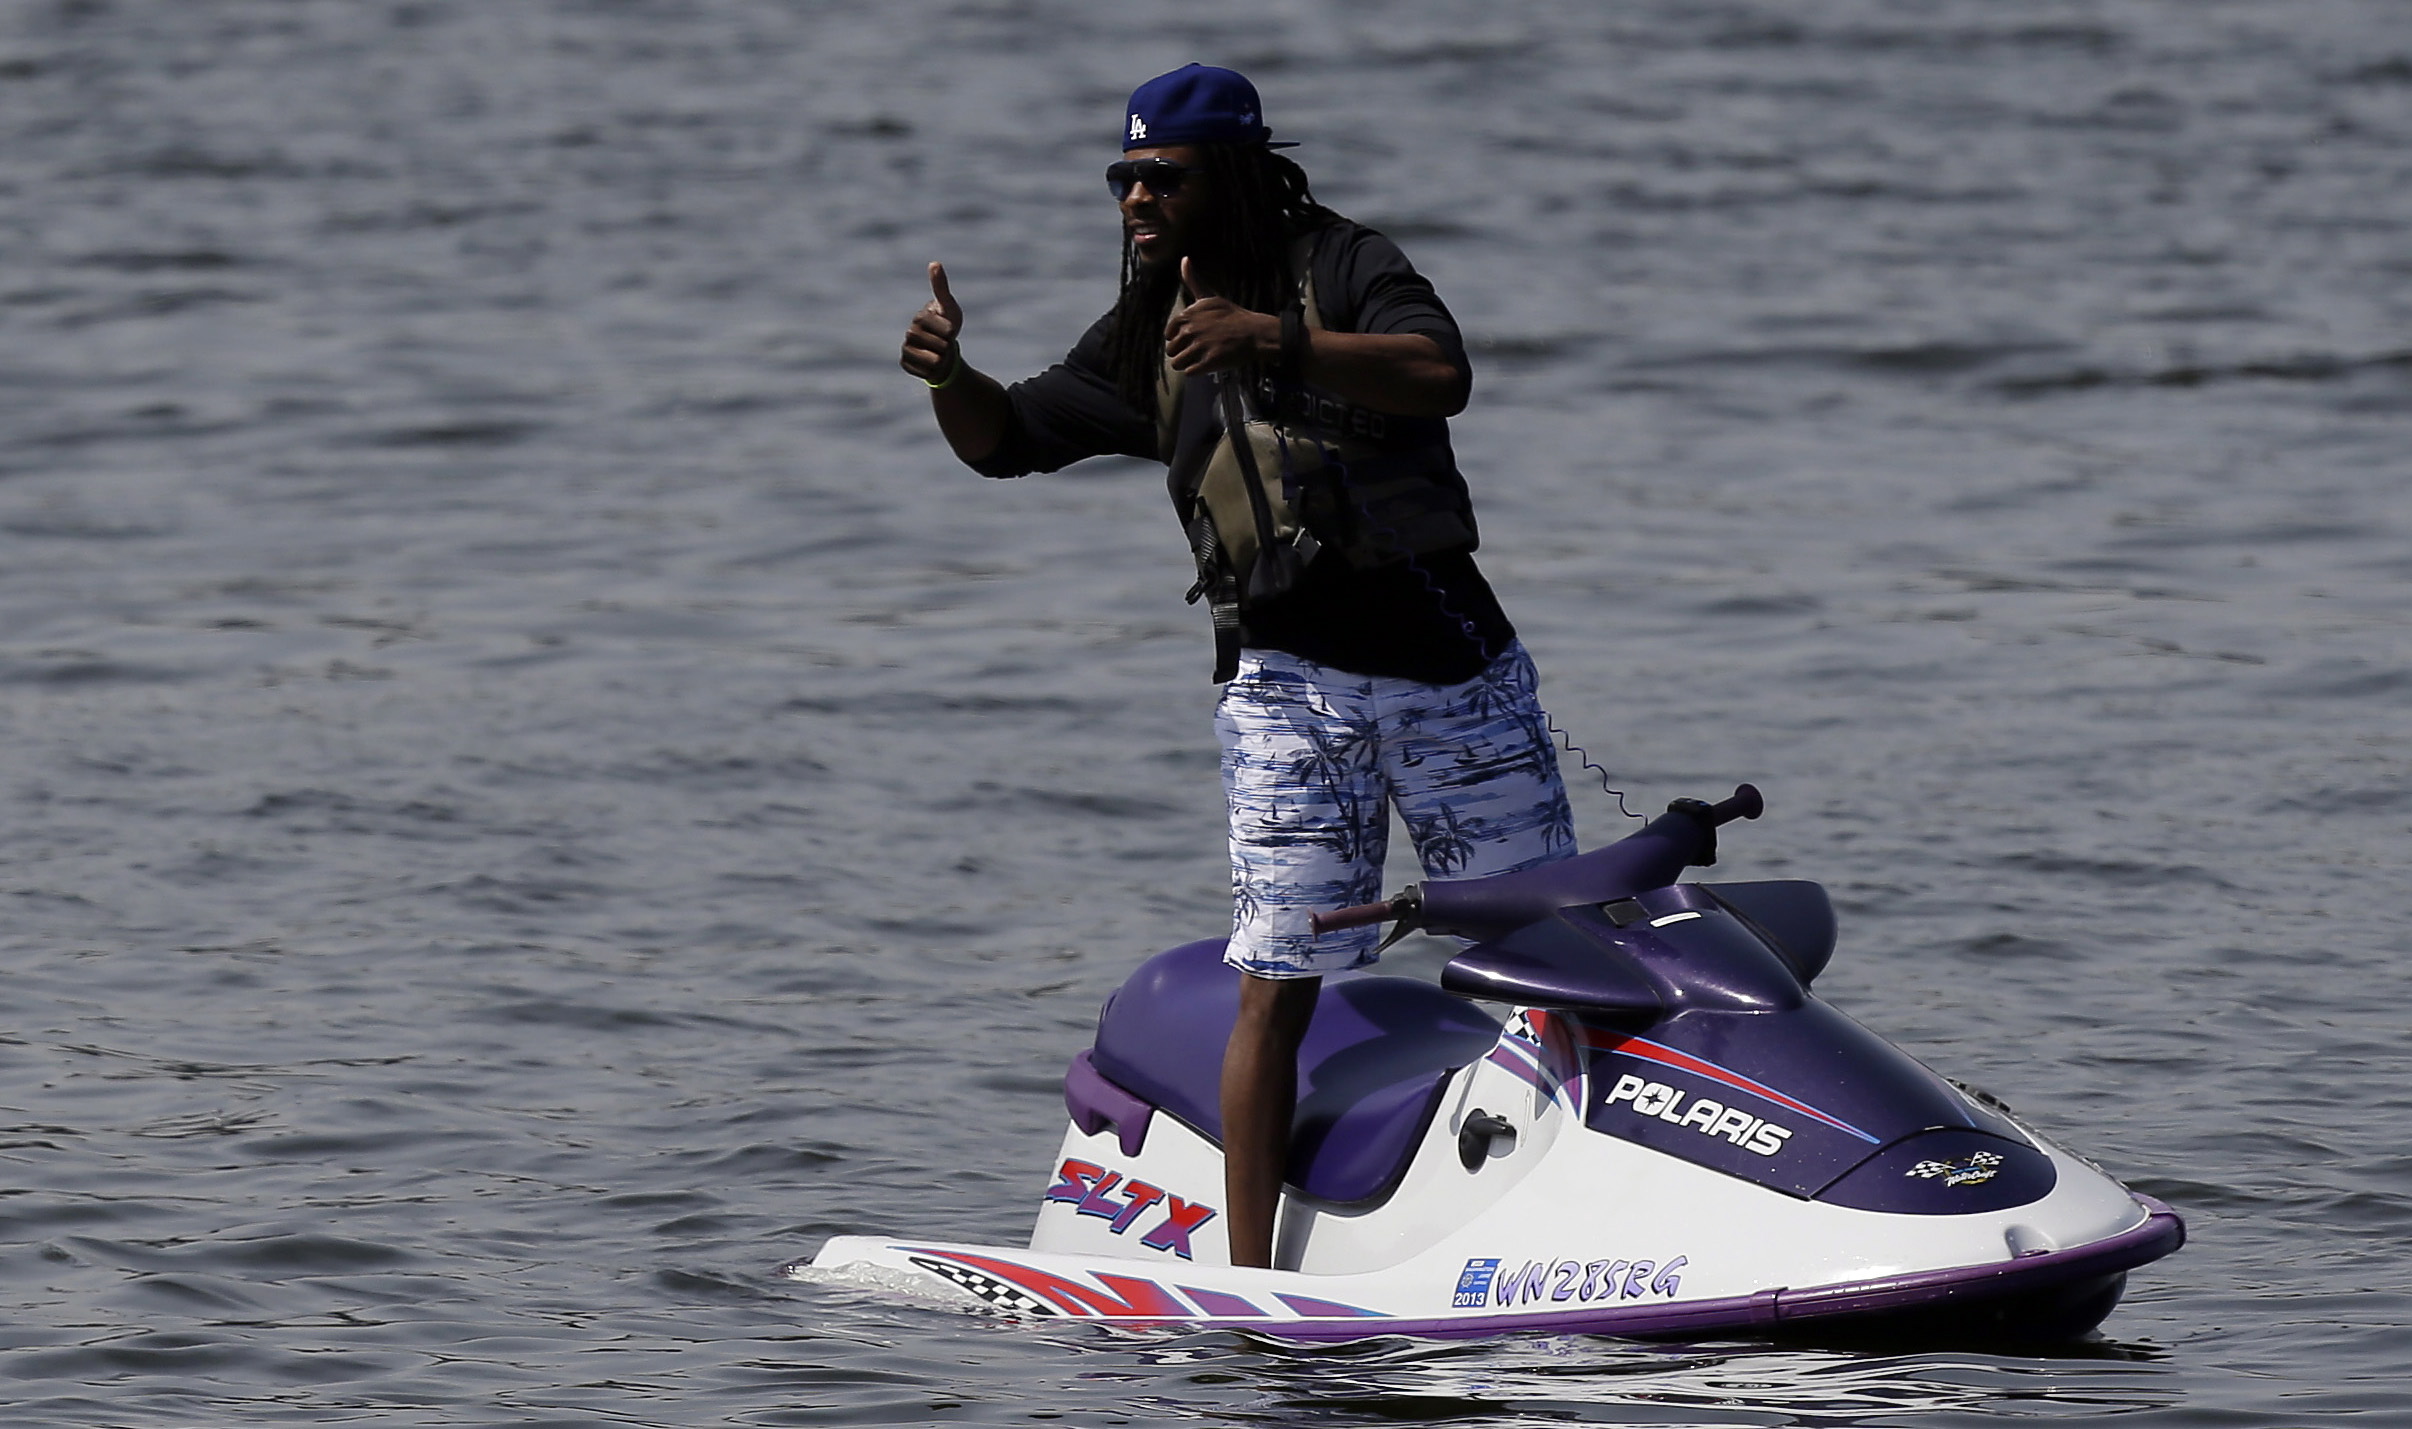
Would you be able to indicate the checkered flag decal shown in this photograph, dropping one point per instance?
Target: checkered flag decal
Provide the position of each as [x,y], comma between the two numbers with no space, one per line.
[996,1292]
[1971,1171]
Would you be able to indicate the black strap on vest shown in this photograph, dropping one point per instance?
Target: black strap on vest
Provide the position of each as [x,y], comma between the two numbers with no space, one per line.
[1221,590]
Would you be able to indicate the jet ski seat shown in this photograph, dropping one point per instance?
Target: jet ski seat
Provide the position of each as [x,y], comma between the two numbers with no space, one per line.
[1369,1072]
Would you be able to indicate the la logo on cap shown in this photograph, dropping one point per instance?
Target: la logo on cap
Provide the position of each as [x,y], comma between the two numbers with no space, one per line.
[1138,127]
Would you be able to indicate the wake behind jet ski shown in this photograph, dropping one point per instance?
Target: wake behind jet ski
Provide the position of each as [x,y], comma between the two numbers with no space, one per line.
[1669,1136]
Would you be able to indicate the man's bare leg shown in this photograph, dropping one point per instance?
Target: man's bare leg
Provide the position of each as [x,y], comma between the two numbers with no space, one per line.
[1260,1097]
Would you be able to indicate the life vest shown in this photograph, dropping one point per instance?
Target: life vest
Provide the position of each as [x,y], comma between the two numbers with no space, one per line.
[1266,476]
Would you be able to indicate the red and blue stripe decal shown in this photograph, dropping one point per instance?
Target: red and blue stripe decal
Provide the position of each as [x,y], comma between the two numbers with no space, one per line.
[1514,1055]
[1132,1297]
[1532,1060]
[1643,1049]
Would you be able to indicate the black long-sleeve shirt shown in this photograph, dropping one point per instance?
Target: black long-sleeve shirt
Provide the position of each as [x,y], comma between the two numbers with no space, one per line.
[1430,618]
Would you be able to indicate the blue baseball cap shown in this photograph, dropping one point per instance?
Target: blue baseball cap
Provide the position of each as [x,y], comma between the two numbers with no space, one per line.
[1197,104]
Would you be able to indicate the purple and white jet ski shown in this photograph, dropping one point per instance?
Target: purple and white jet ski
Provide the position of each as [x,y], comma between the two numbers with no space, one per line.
[1669,1137]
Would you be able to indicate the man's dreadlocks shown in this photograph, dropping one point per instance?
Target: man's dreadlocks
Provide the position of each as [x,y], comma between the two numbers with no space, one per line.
[1261,202]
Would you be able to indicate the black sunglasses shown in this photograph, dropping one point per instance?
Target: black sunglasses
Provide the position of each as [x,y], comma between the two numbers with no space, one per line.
[1162,176]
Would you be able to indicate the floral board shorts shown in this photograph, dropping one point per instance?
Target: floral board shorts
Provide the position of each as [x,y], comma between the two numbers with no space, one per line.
[1314,759]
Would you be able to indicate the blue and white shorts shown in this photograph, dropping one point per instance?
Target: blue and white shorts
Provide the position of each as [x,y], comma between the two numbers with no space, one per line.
[1313,760]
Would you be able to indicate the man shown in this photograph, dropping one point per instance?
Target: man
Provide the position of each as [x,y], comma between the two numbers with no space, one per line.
[1296,375]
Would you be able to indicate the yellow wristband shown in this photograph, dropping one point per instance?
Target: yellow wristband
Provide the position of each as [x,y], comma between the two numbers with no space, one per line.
[953,371]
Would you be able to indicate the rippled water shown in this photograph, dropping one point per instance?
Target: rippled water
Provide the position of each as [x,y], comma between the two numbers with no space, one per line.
[535,791]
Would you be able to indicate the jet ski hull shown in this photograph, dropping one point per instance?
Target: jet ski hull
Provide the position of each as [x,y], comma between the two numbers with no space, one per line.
[2042,1297]
[1553,1230]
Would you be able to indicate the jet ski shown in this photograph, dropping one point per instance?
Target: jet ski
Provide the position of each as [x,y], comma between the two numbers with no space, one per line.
[1668,1136]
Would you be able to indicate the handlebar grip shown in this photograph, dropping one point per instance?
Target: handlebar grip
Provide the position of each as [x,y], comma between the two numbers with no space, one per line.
[1745,804]
[1356,917]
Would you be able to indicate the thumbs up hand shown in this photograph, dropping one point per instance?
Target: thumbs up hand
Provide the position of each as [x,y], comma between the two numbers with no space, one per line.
[932,343]
[1191,280]
[1214,334]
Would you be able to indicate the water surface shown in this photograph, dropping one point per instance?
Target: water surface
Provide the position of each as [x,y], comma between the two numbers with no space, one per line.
[536,791]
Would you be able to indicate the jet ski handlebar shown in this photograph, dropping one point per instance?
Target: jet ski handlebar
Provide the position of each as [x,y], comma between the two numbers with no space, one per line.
[1650,857]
